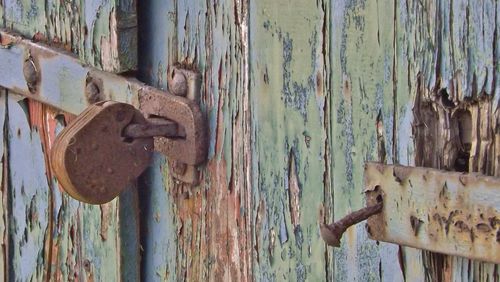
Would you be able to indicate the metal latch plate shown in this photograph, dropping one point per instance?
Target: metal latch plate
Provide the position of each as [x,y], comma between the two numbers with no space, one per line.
[446,212]
[57,78]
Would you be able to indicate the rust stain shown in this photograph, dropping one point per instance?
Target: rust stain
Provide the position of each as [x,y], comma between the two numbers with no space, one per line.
[212,230]
[442,213]
[87,266]
[218,220]
[459,133]
[41,119]
[346,91]
[400,175]
[319,84]
[109,46]
[415,224]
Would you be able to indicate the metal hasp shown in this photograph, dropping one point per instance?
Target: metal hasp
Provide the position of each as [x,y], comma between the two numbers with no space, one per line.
[57,78]
[184,153]
[446,212]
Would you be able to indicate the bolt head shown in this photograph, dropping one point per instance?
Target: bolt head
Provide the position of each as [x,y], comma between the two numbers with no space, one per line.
[177,83]
[30,74]
[92,92]
[179,168]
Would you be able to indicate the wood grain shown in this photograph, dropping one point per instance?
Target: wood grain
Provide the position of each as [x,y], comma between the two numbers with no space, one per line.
[299,96]
[445,48]
[101,33]
[208,228]
[72,240]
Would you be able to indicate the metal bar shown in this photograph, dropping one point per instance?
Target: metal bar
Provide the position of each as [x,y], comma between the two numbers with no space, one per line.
[446,212]
[61,80]
[135,131]
[57,78]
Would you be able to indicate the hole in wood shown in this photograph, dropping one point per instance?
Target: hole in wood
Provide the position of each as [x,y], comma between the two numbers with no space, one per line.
[464,120]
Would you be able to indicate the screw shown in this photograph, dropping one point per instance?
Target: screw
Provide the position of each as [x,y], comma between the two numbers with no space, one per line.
[177,83]
[179,168]
[332,233]
[30,74]
[92,92]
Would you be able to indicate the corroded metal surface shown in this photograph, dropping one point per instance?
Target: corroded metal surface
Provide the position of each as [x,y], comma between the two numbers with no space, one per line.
[332,233]
[447,212]
[64,82]
[62,78]
[191,150]
[90,157]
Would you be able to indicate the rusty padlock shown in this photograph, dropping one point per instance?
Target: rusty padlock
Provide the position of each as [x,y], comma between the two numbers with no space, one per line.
[103,150]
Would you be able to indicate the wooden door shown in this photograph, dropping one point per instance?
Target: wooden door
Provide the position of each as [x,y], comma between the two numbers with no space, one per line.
[45,234]
[298,96]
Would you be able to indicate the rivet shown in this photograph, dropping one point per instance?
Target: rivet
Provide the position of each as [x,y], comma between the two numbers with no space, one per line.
[179,168]
[177,83]
[92,92]
[30,74]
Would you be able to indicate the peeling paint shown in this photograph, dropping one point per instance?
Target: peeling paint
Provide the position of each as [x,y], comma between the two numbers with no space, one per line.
[70,235]
[82,26]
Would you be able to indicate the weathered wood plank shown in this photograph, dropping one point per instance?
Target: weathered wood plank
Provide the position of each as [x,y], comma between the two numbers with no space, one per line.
[363,121]
[82,242]
[102,33]
[446,212]
[159,231]
[57,234]
[289,86]
[129,235]
[28,198]
[446,48]
[375,51]
[210,226]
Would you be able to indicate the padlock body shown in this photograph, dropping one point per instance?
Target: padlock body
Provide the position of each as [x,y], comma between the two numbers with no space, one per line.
[91,158]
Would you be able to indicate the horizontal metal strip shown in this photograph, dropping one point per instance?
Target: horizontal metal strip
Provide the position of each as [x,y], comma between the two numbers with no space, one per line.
[446,212]
[61,79]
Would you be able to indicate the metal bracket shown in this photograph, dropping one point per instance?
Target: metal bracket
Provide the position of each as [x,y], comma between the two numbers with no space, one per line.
[57,78]
[184,154]
[441,211]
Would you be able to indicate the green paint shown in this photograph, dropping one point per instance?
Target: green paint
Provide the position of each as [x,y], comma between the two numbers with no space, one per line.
[286,58]
[84,26]
[362,87]
[319,76]
[27,197]
[464,34]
